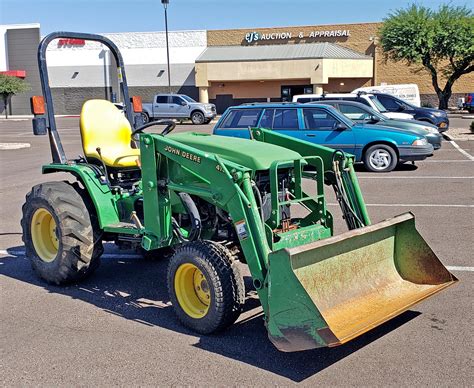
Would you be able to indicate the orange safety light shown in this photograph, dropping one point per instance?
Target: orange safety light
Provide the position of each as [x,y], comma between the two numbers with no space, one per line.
[137,104]
[37,105]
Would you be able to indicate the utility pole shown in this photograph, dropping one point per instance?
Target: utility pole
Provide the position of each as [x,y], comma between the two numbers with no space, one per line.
[165,5]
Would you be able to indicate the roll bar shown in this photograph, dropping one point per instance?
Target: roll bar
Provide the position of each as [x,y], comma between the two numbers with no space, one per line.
[57,151]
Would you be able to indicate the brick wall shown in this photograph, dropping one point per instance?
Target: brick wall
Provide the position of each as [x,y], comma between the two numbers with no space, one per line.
[361,40]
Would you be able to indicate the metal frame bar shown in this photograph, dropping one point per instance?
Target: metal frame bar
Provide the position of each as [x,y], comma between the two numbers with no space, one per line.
[57,150]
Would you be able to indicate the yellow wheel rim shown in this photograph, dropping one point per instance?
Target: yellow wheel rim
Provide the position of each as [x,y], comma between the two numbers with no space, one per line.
[192,290]
[43,234]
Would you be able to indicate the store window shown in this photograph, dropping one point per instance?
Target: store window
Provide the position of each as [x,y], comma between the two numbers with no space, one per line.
[243,118]
[318,119]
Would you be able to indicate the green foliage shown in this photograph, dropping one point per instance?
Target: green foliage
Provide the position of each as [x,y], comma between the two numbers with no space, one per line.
[441,41]
[418,32]
[10,85]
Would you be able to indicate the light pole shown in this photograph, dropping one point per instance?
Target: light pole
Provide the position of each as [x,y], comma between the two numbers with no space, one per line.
[165,5]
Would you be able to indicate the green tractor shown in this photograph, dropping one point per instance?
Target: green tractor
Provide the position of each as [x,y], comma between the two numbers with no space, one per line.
[214,201]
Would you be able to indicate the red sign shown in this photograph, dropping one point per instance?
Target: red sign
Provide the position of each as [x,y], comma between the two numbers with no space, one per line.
[71,42]
[15,73]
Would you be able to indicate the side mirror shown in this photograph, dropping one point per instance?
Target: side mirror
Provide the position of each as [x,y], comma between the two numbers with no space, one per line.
[340,127]
[374,119]
[184,103]
[401,108]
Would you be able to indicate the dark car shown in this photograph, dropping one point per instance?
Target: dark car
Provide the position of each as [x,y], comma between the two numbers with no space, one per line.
[469,102]
[436,117]
[380,148]
[361,113]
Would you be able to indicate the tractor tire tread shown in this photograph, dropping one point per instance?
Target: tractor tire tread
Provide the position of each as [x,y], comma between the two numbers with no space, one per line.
[75,258]
[227,281]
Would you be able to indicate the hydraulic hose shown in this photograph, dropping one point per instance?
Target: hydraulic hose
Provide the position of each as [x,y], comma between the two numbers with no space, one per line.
[194,216]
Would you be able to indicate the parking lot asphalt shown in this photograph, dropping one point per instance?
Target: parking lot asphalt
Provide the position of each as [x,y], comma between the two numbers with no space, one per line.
[117,327]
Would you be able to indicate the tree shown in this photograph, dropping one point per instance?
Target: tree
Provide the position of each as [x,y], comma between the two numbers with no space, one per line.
[10,86]
[441,41]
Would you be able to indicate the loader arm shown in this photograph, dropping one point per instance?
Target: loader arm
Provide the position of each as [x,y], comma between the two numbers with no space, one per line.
[338,172]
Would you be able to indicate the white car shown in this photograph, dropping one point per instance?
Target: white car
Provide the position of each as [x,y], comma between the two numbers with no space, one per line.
[363,98]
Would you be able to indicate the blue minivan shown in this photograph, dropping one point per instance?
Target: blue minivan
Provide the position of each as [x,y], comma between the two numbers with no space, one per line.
[379,148]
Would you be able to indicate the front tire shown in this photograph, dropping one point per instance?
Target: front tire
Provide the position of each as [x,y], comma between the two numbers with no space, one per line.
[197,118]
[205,286]
[60,234]
[380,158]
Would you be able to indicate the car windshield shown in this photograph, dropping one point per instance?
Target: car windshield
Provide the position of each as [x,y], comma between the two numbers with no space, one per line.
[187,98]
[405,103]
[360,112]
[378,104]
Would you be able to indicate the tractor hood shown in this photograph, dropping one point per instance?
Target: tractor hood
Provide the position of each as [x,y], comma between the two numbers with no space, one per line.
[254,155]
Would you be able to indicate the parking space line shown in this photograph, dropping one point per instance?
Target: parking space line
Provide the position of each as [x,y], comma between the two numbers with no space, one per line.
[455,145]
[411,205]
[13,146]
[447,161]
[461,269]
[21,253]
[413,177]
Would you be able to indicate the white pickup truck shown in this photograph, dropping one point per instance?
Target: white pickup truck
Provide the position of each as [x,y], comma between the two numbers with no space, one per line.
[179,107]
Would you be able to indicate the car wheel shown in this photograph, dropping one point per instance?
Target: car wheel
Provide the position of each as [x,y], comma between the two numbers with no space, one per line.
[145,118]
[380,158]
[197,118]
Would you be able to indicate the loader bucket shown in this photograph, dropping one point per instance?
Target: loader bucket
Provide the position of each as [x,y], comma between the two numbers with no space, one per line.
[328,292]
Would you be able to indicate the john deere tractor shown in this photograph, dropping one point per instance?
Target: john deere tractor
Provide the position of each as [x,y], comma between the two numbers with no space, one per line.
[215,201]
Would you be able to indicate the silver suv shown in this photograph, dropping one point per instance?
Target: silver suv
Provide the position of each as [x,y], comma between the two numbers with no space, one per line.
[180,107]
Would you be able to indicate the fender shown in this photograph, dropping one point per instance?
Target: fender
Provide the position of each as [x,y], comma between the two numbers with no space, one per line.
[105,202]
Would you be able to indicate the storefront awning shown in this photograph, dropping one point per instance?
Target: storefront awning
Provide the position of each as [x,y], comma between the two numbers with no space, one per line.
[278,52]
[316,63]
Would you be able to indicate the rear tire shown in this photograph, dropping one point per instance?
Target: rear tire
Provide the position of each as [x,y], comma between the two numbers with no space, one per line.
[145,118]
[197,118]
[380,158]
[61,235]
[205,286]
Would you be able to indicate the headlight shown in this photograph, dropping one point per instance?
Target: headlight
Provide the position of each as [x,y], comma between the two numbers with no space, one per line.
[430,129]
[420,142]
[439,114]
[208,107]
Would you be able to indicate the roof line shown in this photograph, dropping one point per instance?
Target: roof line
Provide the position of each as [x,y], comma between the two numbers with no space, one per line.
[303,26]
[275,59]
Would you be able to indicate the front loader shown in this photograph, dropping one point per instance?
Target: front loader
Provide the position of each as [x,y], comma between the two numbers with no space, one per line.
[215,201]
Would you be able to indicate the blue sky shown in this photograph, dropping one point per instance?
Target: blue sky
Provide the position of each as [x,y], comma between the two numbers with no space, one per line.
[147,15]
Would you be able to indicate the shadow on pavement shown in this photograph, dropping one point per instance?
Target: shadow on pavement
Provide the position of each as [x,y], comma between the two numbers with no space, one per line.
[135,289]
[359,167]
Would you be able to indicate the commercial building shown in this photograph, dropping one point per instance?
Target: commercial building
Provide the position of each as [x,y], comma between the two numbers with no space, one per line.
[18,45]
[226,67]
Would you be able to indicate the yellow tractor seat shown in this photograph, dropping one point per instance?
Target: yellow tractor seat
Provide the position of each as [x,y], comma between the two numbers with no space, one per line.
[104,126]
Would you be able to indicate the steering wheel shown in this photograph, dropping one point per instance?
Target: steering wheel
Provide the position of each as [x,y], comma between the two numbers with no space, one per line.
[169,127]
